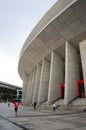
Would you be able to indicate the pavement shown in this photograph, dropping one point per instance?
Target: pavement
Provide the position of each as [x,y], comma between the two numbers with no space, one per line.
[40,119]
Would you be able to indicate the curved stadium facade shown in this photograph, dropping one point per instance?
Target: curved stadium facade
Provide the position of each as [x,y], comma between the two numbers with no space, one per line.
[52,61]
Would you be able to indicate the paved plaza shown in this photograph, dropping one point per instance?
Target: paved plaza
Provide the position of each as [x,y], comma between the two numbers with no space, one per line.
[29,119]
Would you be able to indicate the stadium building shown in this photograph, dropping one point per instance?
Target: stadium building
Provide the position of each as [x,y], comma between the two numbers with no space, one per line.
[10,91]
[52,61]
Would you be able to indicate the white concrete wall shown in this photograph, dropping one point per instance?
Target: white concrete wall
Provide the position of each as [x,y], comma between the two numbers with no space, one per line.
[71,73]
[37,82]
[83,60]
[44,81]
[25,86]
[56,77]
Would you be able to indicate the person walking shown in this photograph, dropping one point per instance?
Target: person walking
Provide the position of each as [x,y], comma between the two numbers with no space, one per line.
[16,105]
[35,103]
[54,106]
[8,104]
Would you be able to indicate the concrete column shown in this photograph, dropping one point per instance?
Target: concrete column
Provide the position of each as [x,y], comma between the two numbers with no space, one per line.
[44,81]
[25,86]
[56,77]
[27,92]
[29,89]
[37,82]
[83,60]
[71,73]
[32,85]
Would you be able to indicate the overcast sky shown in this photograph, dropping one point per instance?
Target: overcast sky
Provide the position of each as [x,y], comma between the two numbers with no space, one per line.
[17,19]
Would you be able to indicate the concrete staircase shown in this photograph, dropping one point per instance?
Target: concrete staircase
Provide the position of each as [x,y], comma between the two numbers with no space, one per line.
[78,105]
[75,108]
[45,106]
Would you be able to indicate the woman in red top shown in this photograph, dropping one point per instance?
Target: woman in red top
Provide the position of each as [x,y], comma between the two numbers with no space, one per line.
[16,105]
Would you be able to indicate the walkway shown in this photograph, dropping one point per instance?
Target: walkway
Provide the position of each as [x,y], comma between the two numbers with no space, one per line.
[29,119]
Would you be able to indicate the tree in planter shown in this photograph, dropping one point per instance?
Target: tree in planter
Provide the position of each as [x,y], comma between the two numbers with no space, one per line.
[6,96]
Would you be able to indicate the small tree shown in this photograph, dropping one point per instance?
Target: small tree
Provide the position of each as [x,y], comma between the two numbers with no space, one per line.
[6,96]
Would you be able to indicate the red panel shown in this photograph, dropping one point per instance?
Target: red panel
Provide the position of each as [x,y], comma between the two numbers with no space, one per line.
[79,83]
[62,90]
[62,85]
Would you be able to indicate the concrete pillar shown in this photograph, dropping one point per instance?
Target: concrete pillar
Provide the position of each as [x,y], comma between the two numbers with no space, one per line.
[29,89]
[71,73]
[27,92]
[83,60]
[25,86]
[44,81]
[56,77]
[32,85]
[37,82]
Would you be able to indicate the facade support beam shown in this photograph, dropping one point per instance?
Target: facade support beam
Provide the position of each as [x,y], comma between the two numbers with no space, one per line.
[71,73]
[25,86]
[29,88]
[27,92]
[83,60]
[32,85]
[44,81]
[37,82]
[56,77]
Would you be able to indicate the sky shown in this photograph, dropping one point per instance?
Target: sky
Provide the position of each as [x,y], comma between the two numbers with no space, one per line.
[17,19]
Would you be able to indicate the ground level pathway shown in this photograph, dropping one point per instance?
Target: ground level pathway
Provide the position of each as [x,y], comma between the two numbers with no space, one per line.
[40,119]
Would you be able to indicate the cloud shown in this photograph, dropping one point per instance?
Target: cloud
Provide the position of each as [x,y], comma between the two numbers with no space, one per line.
[8,69]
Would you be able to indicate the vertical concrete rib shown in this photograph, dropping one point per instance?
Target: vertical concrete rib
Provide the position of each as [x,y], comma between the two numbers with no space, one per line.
[25,86]
[56,77]
[37,82]
[29,91]
[71,73]
[32,85]
[44,81]
[83,60]
[29,88]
